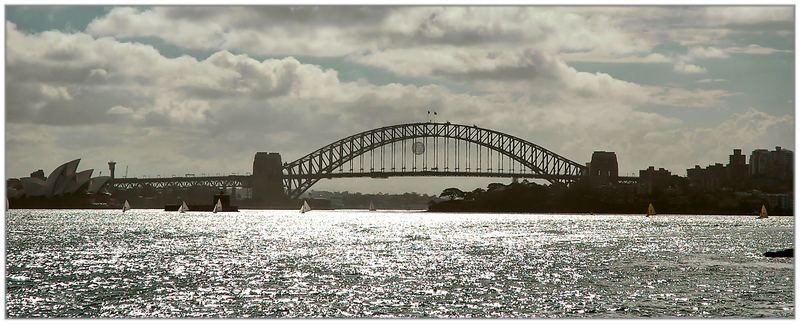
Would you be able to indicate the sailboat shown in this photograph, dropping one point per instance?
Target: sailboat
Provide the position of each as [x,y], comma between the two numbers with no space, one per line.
[763,213]
[305,207]
[371,207]
[218,206]
[126,206]
[183,208]
[650,210]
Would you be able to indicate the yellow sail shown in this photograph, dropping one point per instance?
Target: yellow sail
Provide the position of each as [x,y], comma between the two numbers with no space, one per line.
[650,210]
[763,213]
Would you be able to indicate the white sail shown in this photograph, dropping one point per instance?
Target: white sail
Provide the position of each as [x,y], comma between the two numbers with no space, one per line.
[371,206]
[218,206]
[126,206]
[763,213]
[183,208]
[305,207]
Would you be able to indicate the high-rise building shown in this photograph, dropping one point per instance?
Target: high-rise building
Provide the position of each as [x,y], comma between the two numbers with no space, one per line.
[782,166]
[759,162]
[717,176]
[651,180]
[777,164]
[737,167]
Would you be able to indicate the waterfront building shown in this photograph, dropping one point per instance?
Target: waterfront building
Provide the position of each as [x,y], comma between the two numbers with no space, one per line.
[709,179]
[652,180]
[64,180]
[737,168]
[767,170]
[776,164]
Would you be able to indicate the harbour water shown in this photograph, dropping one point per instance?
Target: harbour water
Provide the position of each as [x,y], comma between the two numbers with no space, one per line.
[281,264]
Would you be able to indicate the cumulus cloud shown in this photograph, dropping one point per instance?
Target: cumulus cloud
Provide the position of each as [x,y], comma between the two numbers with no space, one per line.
[446,35]
[602,32]
[711,80]
[740,15]
[54,93]
[268,30]
[120,110]
[755,49]
[710,52]
[706,52]
[687,68]
[183,103]
[694,98]
[682,65]
[592,57]
[335,31]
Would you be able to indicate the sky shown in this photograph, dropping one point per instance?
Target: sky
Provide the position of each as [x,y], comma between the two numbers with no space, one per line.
[188,89]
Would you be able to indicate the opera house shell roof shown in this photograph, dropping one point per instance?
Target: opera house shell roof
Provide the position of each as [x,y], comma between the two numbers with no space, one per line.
[64,180]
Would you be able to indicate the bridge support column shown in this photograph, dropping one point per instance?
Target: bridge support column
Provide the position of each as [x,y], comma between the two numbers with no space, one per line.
[603,169]
[268,190]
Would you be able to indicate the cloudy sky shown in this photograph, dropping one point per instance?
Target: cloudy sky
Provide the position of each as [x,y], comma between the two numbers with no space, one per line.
[174,90]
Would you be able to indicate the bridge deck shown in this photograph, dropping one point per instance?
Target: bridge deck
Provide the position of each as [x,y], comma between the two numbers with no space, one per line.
[243,181]
[183,182]
[428,173]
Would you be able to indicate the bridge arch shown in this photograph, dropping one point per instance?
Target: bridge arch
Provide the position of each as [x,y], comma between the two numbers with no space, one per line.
[301,174]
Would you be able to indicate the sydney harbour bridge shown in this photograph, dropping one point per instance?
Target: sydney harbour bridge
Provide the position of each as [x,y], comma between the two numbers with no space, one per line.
[424,149]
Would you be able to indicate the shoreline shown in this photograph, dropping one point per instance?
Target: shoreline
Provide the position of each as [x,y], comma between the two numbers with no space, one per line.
[434,212]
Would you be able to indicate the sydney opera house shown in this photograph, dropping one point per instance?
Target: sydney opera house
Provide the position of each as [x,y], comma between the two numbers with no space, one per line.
[64,188]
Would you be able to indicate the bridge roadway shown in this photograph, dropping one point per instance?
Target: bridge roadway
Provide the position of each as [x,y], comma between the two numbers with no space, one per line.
[245,181]
[230,181]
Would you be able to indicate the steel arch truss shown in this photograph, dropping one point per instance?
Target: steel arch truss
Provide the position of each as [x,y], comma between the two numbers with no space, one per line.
[304,172]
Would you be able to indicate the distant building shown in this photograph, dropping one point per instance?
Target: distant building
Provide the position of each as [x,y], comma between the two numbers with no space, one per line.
[759,162]
[697,177]
[709,179]
[769,169]
[713,177]
[779,201]
[772,171]
[64,180]
[737,168]
[652,180]
[775,164]
[717,174]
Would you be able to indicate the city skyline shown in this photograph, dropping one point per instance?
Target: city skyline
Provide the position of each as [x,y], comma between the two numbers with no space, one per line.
[176,90]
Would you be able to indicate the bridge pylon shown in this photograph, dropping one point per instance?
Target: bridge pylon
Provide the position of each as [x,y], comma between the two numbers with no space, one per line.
[267,180]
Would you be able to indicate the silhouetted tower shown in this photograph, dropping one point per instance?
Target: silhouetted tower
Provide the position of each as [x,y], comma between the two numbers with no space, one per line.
[737,167]
[268,179]
[603,168]
[111,165]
